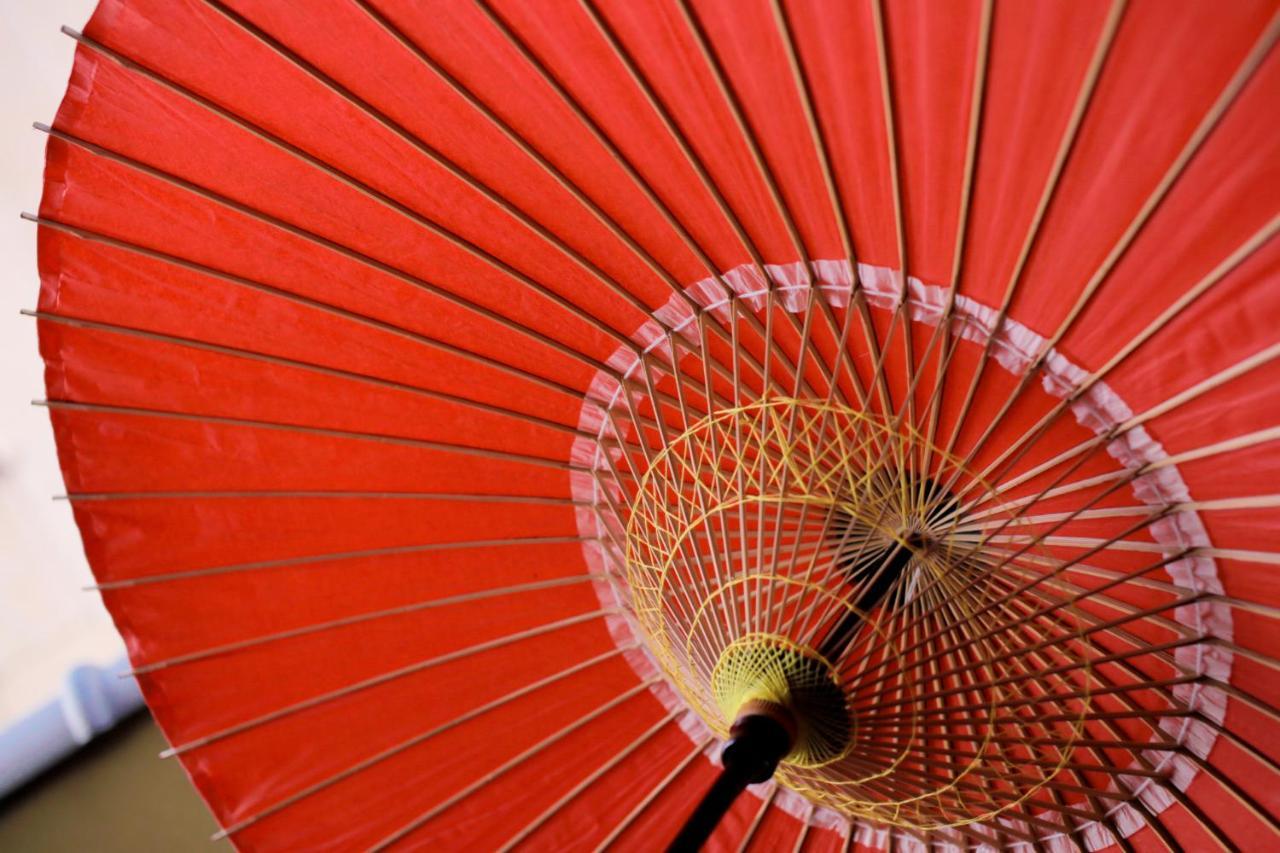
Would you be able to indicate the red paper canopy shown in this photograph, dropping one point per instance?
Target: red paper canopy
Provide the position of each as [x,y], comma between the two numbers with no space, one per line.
[412,367]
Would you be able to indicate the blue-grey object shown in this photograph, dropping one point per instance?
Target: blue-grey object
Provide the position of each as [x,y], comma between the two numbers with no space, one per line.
[93,700]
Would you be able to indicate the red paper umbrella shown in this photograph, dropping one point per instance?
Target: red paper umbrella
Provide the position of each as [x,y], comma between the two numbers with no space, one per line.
[475,414]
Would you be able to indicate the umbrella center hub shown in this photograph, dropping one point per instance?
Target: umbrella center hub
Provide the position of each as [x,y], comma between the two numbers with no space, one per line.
[763,673]
[793,565]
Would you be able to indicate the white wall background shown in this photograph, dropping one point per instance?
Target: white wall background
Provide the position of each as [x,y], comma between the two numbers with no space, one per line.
[47,623]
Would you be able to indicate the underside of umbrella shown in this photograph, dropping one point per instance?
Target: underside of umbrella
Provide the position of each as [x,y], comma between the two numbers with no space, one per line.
[473,412]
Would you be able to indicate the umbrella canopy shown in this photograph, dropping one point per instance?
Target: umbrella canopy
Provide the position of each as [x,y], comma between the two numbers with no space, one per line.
[469,409]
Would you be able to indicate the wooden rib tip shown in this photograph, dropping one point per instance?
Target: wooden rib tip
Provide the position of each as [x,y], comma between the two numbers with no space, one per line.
[26,312]
[43,403]
[169,753]
[42,127]
[71,31]
[30,217]
[219,835]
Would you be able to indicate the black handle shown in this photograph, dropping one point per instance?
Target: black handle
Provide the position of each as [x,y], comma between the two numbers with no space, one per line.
[751,755]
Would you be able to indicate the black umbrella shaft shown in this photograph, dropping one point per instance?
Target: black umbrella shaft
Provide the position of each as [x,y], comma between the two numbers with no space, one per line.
[758,744]
[839,636]
[707,816]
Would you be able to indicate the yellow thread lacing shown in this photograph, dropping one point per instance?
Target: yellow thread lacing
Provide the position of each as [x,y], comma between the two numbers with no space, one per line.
[752,536]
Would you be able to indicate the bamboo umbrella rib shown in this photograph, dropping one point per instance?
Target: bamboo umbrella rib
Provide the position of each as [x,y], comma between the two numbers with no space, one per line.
[1040,614]
[287,494]
[1087,515]
[1023,734]
[386,677]
[388,201]
[943,711]
[1045,686]
[1024,730]
[1097,628]
[359,619]
[743,127]
[1162,832]
[509,765]
[1267,557]
[701,508]
[364,378]
[1215,113]
[684,546]
[717,486]
[436,157]
[1261,357]
[923,834]
[1150,583]
[416,740]
[838,213]
[1056,807]
[352,316]
[964,733]
[818,141]
[656,791]
[1001,776]
[1106,822]
[1080,593]
[1049,589]
[1260,705]
[942,331]
[886,102]
[1255,242]
[826,524]
[805,823]
[492,196]
[1202,131]
[586,782]
[1126,664]
[1257,809]
[1019,447]
[765,802]
[1118,838]
[1229,445]
[900,315]
[677,136]
[347,252]
[932,583]
[601,137]
[527,148]
[1231,504]
[353,183]
[661,111]
[1066,143]
[1244,441]
[305,429]
[1247,747]
[1132,475]
[685,602]
[1178,794]
[1117,629]
[311,559]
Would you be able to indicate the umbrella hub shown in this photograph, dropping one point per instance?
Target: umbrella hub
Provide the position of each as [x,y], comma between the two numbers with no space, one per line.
[803,573]
[769,675]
